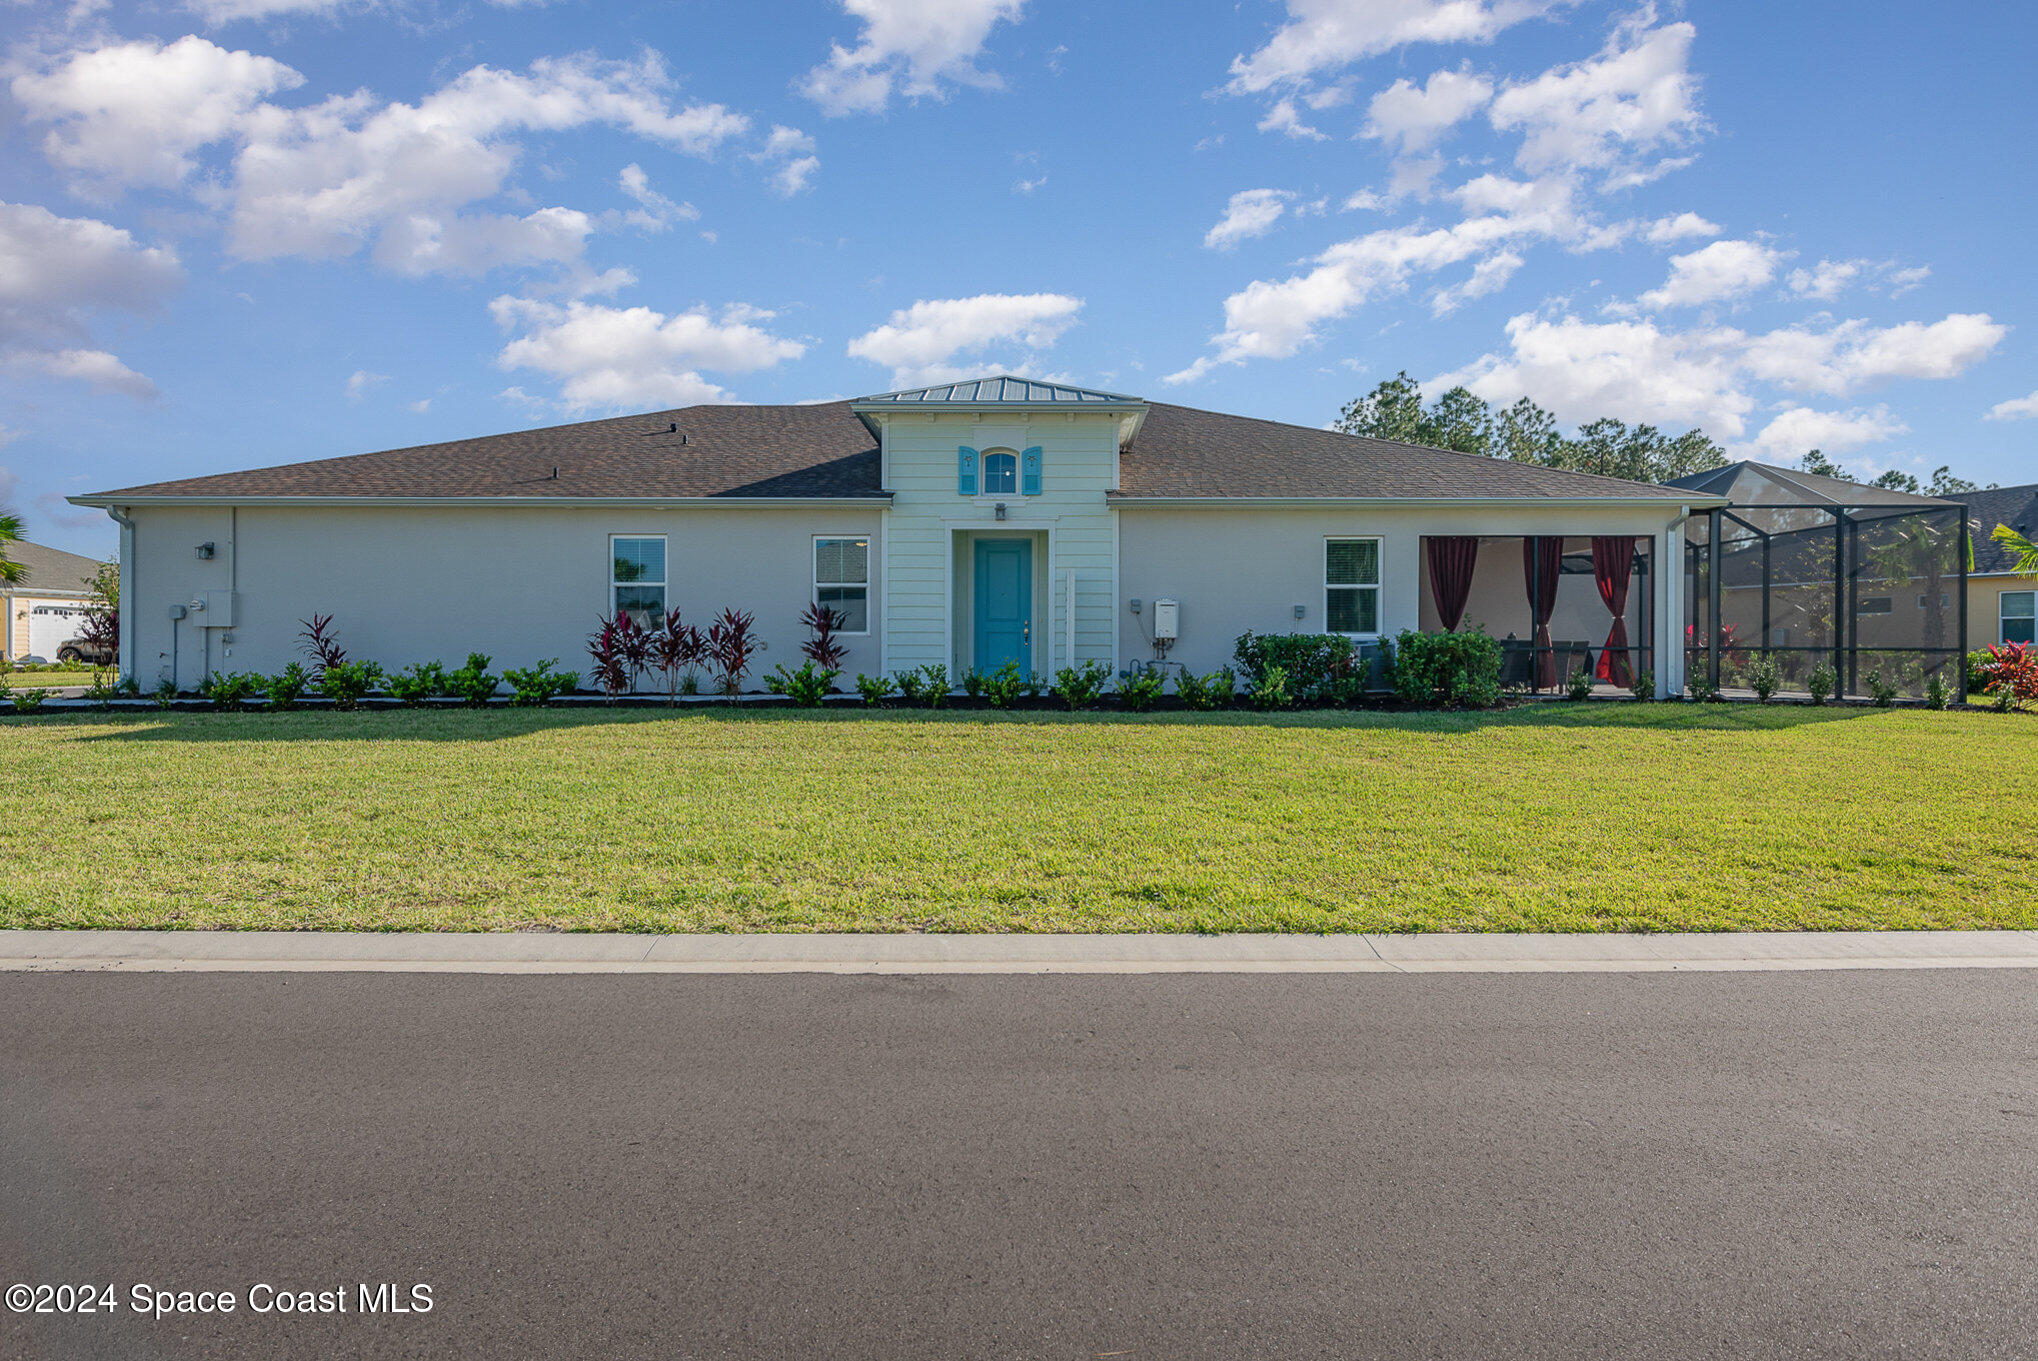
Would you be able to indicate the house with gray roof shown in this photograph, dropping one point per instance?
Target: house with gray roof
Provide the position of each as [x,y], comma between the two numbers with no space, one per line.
[45,609]
[969,525]
[2000,599]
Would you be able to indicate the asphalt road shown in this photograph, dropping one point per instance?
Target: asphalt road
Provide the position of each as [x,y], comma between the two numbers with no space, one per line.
[1663,1165]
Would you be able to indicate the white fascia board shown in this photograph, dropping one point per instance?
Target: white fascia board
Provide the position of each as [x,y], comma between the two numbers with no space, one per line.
[1670,503]
[516,502]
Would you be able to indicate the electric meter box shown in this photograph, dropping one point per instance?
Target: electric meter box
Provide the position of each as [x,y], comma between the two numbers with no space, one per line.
[219,609]
[1167,619]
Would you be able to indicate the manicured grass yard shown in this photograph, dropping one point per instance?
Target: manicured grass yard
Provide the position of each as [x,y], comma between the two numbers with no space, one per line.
[1554,817]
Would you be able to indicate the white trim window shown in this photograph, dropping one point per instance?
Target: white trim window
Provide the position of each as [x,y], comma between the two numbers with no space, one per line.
[842,579]
[637,577]
[1351,587]
[2014,618]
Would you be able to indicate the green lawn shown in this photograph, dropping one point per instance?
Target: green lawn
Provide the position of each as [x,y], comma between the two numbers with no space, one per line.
[20,680]
[1554,817]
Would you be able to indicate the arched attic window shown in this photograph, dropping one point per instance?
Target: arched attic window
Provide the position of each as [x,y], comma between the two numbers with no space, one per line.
[1001,473]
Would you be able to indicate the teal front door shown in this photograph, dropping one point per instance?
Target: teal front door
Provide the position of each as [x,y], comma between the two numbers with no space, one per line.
[1004,604]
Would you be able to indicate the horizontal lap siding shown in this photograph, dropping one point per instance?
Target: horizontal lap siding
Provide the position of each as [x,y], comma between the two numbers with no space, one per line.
[1079,466]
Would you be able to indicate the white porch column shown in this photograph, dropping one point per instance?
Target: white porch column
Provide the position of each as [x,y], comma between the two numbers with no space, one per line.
[1669,640]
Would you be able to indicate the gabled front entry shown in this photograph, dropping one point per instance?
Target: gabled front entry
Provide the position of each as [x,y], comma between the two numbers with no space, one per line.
[1003,607]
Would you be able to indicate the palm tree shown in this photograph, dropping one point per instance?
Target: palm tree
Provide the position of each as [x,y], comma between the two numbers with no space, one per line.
[10,532]
[2026,551]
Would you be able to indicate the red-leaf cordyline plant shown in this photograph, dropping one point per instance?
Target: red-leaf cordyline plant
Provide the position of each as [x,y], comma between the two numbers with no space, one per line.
[607,650]
[731,645]
[824,649]
[677,647]
[2011,673]
[320,645]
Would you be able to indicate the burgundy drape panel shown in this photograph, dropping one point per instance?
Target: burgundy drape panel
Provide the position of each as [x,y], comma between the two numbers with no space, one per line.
[1613,565]
[1451,560]
[1542,560]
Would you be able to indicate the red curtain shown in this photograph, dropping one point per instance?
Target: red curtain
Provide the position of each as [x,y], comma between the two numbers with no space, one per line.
[1542,560]
[1613,565]
[1451,559]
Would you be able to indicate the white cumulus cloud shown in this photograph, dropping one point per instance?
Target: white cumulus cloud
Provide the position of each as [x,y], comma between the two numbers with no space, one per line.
[1322,36]
[618,357]
[1666,230]
[914,48]
[1724,269]
[923,343]
[1800,428]
[56,275]
[2015,409]
[1410,117]
[1250,213]
[1610,113]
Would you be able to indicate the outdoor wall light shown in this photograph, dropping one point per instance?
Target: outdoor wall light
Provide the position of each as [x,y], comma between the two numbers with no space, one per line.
[205,552]
[999,512]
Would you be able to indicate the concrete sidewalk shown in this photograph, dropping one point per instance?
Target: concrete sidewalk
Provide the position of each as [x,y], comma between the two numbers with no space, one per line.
[563,953]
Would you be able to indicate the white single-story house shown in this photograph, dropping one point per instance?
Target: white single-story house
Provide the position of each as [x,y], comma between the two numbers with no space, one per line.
[45,610]
[967,524]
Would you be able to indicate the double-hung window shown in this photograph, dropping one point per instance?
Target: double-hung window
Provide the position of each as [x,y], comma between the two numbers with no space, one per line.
[2017,611]
[637,577]
[1001,473]
[1351,586]
[842,581]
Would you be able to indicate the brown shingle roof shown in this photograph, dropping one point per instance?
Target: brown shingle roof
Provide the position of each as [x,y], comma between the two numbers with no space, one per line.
[1181,451]
[826,451]
[798,451]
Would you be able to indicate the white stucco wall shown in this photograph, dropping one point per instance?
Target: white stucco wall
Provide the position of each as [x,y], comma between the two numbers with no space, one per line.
[422,584]
[1246,568]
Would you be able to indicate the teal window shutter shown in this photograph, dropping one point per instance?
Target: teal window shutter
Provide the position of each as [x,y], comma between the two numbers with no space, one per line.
[966,471]
[1029,474]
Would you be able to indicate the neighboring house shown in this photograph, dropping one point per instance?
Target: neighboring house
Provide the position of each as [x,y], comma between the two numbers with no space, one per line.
[1999,600]
[965,525]
[46,608]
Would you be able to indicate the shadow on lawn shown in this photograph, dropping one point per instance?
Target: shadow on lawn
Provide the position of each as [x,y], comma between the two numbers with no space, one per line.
[466,725]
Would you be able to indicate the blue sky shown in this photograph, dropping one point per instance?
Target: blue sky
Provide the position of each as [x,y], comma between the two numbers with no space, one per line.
[242,232]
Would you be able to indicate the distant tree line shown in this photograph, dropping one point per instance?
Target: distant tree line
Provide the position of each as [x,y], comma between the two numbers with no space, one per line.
[1528,433]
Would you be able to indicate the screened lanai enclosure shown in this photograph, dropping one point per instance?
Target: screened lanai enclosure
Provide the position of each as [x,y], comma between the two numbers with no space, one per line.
[1812,571]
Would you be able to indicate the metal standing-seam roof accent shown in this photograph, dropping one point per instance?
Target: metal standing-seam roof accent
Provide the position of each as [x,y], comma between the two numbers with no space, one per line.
[1005,389]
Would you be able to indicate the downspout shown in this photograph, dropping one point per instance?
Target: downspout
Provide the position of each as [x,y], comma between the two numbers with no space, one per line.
[125,660]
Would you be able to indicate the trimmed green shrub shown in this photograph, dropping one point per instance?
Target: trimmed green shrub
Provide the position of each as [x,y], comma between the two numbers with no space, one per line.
[1271,690]
[1141,689]
[1821,682]
[418,682]
[934,680]
[1643,686]
[1703,691]
[345,682]
[472,683]
[874,689]
[1882,689]
[1003,686]
[287,686]
[165,693]
[974,682]
[1763,677]
[1578,685]
[539,685]
[229,689]
[1320,668]
[806,687]
[1213,691]
[1079,687]
[1937,691]
[1447,670]
[29,698]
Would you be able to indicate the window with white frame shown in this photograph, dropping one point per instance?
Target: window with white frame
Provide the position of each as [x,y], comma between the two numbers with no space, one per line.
[637,577]
[842,580]
[2017,616]
[1351,586]
[1001,473]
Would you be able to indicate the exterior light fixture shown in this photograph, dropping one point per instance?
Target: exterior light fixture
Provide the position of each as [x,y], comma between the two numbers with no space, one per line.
[205,552]
[999,513]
